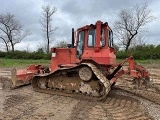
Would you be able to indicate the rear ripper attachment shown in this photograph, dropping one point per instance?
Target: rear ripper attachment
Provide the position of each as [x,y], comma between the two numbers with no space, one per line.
[140,74]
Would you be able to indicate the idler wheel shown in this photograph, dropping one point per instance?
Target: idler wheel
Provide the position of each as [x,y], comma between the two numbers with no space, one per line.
[85,73]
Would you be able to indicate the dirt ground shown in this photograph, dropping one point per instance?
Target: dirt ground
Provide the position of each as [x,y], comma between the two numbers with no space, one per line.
[121,104]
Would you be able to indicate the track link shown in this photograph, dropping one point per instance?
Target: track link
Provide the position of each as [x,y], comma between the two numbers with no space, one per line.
[72,93]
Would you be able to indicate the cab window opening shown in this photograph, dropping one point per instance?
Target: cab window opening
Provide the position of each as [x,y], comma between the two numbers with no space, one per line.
[91,38]
[80,43]
[102,38]
[110,38]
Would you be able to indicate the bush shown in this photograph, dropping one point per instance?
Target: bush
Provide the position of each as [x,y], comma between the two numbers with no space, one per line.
[3,54]
[27,55]
[122,55]
[141,52]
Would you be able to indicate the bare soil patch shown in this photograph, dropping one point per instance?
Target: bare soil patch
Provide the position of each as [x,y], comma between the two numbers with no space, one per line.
[24,103]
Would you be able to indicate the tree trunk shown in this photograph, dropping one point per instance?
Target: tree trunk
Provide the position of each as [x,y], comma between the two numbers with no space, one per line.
[12,47]
[5,44]
[48,33]
[6,47]
[47,43]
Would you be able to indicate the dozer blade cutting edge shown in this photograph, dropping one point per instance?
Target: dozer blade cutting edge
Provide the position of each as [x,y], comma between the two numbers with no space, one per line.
[22,77]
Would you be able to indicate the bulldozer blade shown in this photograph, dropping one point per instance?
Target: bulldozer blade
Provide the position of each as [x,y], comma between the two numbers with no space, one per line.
[16,81]
[24,76]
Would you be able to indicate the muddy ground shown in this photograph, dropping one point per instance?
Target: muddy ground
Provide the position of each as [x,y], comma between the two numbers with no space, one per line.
[121,104]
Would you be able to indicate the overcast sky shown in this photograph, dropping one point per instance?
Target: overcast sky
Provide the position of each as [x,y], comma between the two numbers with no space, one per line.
[74,13]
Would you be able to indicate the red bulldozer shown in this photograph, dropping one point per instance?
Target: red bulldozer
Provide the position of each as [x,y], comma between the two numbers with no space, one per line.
[87,67]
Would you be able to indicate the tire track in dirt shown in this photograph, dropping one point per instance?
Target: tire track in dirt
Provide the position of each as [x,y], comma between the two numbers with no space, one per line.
[24,103]
[150,92]
[81,110]
[150,107]
[13,100]
[115,107]
[16,105]
[149,95]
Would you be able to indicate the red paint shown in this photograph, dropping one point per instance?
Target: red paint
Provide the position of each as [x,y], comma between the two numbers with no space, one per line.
[104,56]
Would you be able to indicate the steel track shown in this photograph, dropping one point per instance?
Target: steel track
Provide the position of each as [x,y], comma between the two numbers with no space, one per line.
[79,95]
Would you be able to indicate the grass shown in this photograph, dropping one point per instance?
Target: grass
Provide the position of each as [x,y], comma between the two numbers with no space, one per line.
[21,63]
[149,61]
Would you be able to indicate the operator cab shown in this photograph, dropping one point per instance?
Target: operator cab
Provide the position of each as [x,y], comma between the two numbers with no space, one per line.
[95,42]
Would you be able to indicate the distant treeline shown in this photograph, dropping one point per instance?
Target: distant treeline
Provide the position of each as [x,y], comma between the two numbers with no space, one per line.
[25,55]
[139,52]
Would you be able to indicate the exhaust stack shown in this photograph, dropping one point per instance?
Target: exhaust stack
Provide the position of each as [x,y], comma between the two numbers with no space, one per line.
[72,37]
